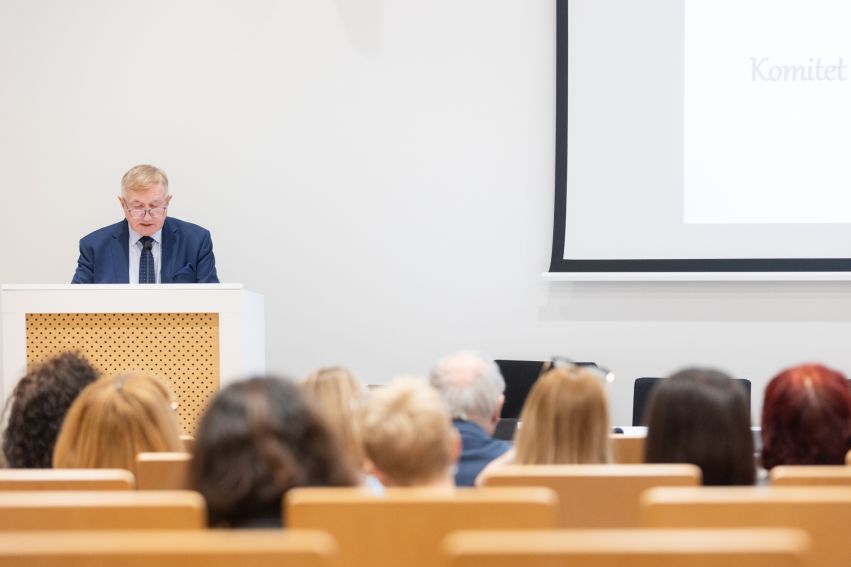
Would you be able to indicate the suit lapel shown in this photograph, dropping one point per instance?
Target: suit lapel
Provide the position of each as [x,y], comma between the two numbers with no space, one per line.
[171,240]
[121,253]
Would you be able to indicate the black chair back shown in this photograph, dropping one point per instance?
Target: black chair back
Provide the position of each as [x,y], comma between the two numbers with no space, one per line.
[641,395]
[519,376]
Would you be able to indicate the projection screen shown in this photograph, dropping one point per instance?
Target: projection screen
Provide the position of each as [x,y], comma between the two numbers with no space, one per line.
[703,136]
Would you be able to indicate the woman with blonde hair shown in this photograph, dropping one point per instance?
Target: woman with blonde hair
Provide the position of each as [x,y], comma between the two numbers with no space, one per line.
[564,421]
[409,437]
[340,397]
[114,419]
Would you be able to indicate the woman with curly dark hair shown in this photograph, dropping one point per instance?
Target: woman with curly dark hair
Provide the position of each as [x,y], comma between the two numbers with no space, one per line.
[806,417]
[258,439]
[38,405]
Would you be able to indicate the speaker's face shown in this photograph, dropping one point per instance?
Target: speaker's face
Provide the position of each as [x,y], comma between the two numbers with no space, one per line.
[145,211]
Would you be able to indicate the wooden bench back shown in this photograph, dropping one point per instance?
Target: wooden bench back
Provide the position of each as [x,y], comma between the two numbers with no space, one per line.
[88,510]
[597,496]
[163,471]
[405,526]
[628,449]
[192,548]
[823,512]
[633,547]
[816,475]
[66,479]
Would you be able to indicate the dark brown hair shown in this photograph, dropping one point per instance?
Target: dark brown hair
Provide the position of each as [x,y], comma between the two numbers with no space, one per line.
[701,416]
[39,403]
[806,417]
[258,439]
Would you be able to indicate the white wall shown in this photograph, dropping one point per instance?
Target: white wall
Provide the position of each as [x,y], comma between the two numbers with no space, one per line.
[382,170]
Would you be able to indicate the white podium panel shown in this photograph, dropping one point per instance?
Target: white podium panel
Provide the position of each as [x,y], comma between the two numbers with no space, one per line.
[199,336]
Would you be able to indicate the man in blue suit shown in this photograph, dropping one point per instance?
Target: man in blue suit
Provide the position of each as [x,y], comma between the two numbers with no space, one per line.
[147,246]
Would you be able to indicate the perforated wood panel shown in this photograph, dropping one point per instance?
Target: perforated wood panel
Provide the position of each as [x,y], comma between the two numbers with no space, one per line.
[182,348]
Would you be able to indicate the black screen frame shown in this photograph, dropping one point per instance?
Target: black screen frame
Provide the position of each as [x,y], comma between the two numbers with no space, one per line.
[558,263]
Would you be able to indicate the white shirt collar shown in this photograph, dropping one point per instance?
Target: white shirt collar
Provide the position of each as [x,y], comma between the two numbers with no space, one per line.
[135,236]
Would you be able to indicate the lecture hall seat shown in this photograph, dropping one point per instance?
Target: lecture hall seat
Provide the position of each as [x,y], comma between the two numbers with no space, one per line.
[89,510]
[810,475]
[190,548]
[642,387]
[824,512]
[66,479]
[597,496]
[163,471]
[404,526]
[628,449]
[632,547]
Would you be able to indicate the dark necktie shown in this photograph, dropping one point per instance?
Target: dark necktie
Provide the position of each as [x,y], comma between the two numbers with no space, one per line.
[146,262]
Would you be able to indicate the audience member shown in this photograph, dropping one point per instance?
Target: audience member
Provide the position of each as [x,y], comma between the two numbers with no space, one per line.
[472,387]
[340,396]
[806,417]
[408,436]
[116,418]
[258,439]
[701,416]
[38,405]
[565,420]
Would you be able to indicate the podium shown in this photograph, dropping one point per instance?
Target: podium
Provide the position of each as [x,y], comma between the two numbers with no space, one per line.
[198,337]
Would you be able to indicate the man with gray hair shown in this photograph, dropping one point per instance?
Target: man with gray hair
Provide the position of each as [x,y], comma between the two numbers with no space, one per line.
[148,246]
[473,388]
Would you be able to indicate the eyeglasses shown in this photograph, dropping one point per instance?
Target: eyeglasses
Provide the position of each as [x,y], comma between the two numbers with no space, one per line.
[606,375]
[156,212]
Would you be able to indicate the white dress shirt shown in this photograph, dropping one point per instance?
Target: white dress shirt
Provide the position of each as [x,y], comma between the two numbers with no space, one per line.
[136,254]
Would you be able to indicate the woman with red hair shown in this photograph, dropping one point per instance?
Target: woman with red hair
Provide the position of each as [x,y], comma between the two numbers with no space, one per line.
[806,417]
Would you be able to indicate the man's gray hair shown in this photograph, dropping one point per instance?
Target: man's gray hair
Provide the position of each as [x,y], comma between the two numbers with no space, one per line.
[470,383]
